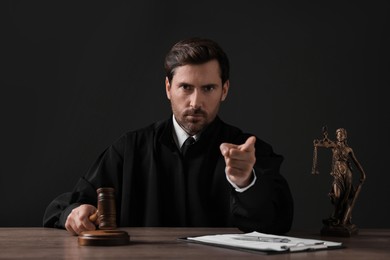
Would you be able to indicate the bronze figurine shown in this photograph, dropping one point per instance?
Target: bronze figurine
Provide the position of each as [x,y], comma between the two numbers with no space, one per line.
[343,194]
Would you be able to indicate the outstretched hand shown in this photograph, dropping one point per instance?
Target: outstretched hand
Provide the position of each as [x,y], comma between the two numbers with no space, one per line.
[239,160]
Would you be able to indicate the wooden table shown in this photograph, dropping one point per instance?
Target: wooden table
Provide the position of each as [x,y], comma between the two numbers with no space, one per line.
[162,243]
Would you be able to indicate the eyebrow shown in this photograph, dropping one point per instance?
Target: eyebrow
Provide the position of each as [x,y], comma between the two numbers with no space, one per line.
[203,86]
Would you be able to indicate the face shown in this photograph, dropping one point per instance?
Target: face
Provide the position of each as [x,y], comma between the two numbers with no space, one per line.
[196,92]
[341,135]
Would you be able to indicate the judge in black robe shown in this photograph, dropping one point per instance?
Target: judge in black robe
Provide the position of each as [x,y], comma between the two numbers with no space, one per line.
[156,185]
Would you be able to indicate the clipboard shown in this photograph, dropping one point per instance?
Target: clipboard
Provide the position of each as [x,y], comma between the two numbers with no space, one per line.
[261,243]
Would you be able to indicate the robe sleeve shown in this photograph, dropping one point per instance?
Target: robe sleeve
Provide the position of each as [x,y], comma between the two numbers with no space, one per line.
[59,209]
[105,172]
[267,206]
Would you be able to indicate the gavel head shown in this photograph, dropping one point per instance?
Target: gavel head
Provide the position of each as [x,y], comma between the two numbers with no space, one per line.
[106,210]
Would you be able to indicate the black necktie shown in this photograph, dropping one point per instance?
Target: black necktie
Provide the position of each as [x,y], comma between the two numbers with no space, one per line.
[188,142]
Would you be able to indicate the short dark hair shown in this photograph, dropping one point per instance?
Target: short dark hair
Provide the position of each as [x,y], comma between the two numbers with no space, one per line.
[196,51]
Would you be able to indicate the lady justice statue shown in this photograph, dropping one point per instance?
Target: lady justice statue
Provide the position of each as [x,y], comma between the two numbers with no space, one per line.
[343,194]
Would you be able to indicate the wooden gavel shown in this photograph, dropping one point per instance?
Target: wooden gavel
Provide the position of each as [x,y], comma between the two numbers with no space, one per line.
[105,215]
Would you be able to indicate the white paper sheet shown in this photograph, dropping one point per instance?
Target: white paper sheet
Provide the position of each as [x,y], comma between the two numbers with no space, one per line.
[265,242]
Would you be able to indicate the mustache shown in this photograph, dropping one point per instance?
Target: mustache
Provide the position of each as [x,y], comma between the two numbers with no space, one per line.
[196,111]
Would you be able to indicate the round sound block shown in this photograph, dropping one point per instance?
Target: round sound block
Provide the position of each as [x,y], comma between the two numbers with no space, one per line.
[104,238]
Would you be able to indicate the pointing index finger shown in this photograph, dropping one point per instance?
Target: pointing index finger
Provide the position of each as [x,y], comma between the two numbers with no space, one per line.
[249,144]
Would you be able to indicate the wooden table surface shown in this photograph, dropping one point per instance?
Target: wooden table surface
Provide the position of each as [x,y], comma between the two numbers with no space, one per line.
[162,243]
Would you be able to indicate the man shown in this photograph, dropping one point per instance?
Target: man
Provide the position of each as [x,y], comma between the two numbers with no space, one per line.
[223,178]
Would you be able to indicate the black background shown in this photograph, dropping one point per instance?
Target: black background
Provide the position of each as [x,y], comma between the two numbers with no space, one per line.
[76,75]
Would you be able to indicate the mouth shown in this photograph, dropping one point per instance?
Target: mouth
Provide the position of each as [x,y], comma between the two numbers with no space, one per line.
[194,118]
[195,113]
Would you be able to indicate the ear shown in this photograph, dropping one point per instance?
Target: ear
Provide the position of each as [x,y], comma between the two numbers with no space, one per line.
[167,88]
[225,90]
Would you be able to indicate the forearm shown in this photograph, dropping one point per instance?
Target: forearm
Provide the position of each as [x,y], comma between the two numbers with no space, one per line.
[265,207]
[59,209]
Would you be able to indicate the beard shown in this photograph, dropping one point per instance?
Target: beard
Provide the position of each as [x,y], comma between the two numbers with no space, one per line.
[193,121]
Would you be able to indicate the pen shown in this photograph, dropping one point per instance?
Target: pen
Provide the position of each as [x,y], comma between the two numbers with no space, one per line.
[264,239]
[303,246]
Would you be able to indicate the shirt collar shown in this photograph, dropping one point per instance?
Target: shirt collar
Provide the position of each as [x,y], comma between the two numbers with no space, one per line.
[179,134]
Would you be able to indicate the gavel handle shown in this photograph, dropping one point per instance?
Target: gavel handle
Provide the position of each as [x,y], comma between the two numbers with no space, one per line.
[93,217]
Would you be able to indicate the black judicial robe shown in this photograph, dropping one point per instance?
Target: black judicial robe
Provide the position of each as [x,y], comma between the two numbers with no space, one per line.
[156,186]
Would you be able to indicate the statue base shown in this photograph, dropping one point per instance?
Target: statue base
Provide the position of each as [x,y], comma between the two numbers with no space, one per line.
[339,230]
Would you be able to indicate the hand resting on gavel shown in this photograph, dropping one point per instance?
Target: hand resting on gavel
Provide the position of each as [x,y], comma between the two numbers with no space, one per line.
[85,217]
[82,218]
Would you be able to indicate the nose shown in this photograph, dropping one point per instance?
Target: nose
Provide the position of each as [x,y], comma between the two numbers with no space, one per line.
[196,99]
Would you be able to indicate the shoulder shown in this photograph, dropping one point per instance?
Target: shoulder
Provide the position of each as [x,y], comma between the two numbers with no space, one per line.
[147,130]
[142,135]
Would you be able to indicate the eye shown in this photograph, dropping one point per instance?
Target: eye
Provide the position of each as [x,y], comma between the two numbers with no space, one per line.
[208,88]
[185,87]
